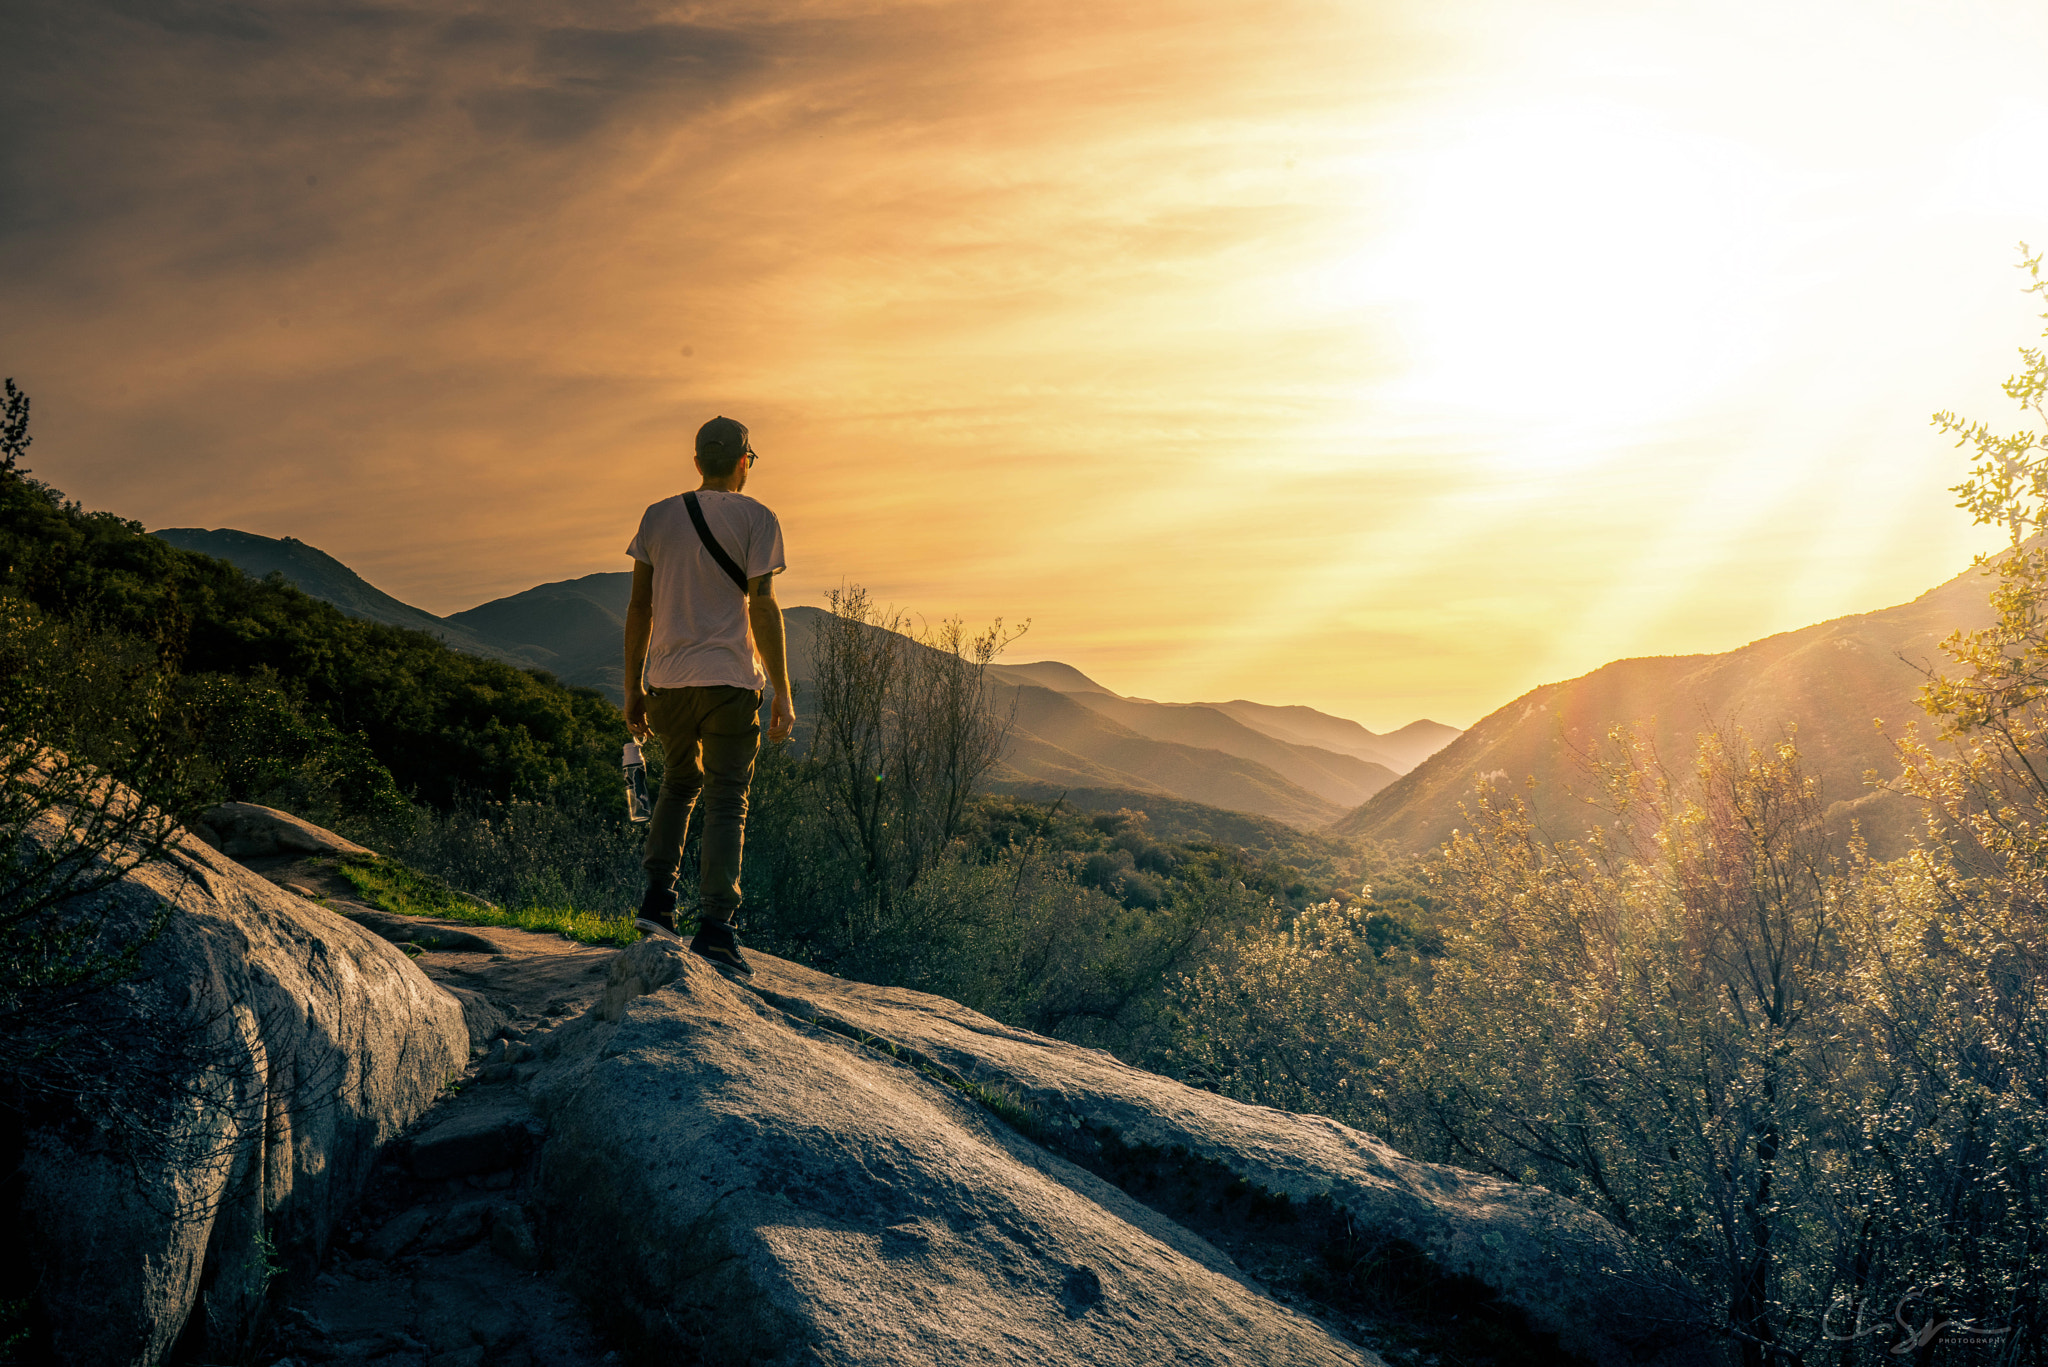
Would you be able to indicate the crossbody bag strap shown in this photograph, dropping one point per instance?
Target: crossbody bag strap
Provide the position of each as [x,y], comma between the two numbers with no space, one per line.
[725,562]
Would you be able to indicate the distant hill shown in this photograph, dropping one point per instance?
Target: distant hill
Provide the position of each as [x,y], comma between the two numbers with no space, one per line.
[353,714]
[1059,739]
[1081,735]
[1831,680]
[1399,750]
[1062,741]
[1049,674]
[580,623]
[1072,732]
[319,575]
[1342,779]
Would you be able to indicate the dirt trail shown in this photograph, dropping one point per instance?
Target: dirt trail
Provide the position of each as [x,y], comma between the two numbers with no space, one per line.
[446,1263]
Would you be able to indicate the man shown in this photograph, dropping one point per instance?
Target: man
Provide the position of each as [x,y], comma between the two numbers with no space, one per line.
[703,637]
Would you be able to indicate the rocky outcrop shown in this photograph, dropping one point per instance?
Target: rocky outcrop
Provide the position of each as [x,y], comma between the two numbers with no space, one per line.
[804,1169]
[1569,1272]
[244,830]
[788,1169]
[742,1186]
[446,1261]
[264,1051]
[479,1014]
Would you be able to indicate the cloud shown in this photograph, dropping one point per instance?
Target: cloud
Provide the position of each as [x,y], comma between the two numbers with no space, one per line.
[232,21]
[575,82]
[1028,305]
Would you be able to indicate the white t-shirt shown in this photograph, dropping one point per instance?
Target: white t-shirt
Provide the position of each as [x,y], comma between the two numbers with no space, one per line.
[700,635]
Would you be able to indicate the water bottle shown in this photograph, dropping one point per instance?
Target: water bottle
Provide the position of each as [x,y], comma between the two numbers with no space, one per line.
[637,805]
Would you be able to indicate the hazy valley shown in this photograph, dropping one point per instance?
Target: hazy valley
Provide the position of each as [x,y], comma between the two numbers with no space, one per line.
[1830,684]
[1291,764]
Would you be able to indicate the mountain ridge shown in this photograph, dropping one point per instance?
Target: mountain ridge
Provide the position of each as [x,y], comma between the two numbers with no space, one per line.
[1072,732]
[1831,681]
[580,623]
[1399,750]
[321,576]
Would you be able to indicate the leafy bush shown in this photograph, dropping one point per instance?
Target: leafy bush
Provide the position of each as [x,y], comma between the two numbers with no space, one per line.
[1284,1011]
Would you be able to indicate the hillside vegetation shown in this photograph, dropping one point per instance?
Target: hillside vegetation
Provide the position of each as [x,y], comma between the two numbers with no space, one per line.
[319,574]
[281,695]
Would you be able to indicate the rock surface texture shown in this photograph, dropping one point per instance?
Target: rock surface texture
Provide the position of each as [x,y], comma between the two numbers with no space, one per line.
[446,1262]
[788,1169]
[1570,1273]
[801,1169]
[753,1188]
[244,830]
[269,1047]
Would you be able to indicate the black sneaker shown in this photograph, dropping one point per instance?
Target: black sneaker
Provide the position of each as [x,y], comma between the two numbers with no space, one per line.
[658,912]
[715,941]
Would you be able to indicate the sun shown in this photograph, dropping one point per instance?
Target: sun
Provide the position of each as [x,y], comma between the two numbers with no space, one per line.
[1573,262]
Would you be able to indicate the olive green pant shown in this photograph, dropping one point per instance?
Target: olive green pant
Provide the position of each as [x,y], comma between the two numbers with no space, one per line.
[709,737]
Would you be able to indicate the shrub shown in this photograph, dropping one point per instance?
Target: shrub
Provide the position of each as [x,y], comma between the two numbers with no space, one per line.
[1287,1012]
[82,764]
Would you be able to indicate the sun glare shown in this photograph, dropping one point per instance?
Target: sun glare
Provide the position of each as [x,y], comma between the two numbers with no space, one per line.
[1573,263]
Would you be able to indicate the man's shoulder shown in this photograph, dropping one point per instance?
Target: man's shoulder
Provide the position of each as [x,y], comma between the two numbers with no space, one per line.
[746,508]
[668,520]
[744,501]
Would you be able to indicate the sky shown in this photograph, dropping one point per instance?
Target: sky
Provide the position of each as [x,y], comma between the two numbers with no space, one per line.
[1391,358]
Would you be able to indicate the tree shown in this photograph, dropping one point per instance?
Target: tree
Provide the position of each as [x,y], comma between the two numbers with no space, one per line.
[1638,1020]
[1956,946]
[905,729]
[948,734]
[14,437]
[854,657]
[2008,482]
[1996,787]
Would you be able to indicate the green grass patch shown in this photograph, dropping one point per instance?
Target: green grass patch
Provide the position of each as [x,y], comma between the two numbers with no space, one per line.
[391,886]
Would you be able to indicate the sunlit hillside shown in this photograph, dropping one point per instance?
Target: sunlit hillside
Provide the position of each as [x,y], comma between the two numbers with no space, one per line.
[1829,686]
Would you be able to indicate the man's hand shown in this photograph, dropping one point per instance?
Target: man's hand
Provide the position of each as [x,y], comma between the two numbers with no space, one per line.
[639,624]
[764,616]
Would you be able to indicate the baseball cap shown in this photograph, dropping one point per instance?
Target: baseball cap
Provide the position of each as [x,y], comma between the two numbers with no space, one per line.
[723,437]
